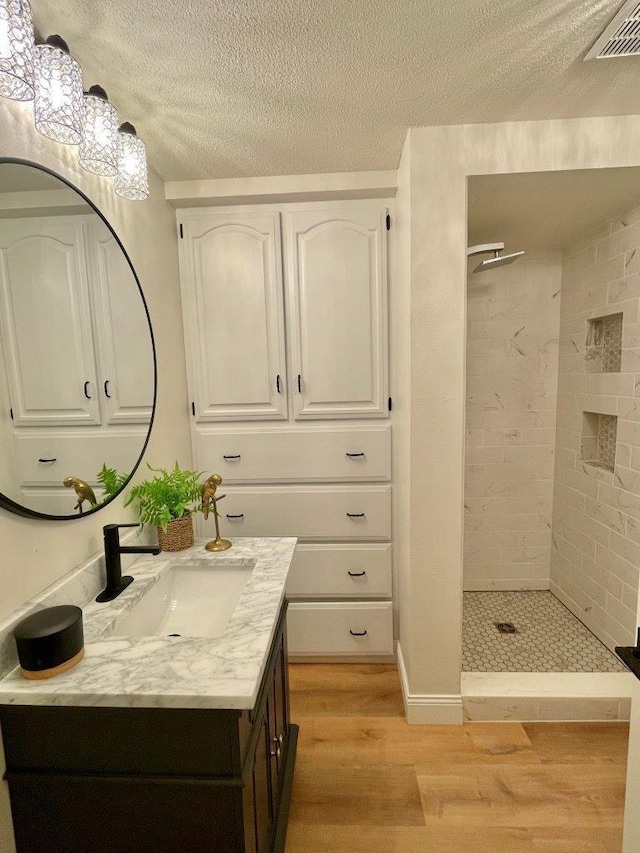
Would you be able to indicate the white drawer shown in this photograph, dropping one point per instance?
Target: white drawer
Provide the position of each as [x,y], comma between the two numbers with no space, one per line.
[74,454]
[52,501]
[314,454]
[340,571]
[340,628]
[308,512]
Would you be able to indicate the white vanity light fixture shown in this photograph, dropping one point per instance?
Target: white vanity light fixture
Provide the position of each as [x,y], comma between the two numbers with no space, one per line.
[131,181]
[16,50]
[99,146]
[59,100]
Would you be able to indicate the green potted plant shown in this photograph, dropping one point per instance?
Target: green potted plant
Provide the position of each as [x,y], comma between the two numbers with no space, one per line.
[111,482]
[168,501]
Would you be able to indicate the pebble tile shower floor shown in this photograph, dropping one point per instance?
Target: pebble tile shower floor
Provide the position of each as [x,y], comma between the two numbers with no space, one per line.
[549,638]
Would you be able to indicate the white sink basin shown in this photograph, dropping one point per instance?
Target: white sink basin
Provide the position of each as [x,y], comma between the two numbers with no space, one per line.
[191,599]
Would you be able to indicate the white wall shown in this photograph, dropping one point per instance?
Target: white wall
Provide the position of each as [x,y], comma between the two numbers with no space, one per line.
[400,387]
[596,513]
[513,318]
[36,553]
[441,159]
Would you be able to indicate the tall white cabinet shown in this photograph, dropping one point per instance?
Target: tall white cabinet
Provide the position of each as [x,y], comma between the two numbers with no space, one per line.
[285,312]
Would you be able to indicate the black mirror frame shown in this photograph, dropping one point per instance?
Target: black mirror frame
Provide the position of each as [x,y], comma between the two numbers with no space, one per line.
[19,509]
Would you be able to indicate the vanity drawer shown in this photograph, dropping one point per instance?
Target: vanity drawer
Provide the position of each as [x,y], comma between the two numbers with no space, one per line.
[80,455]
[340,571]
[314,454]
[335,512]
[340,628]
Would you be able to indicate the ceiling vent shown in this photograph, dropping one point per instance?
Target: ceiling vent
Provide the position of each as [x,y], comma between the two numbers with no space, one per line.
[622,36]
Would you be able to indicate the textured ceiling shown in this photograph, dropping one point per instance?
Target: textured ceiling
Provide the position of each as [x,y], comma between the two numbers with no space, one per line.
[547,210]
[233,88]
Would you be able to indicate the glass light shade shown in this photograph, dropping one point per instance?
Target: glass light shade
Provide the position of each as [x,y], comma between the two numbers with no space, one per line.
[16,50]
[132,181]
[99,146]
[59,99]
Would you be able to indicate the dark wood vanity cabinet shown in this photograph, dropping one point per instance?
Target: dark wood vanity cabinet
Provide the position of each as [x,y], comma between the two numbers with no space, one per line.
[154,780]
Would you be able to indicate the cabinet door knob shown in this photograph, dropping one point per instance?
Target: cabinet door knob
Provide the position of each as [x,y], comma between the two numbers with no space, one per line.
[358,633]
[353,455]
[355,514]
[356,574]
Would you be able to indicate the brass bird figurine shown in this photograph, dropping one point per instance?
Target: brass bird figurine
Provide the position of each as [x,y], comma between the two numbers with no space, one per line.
[210,504]
[83,491]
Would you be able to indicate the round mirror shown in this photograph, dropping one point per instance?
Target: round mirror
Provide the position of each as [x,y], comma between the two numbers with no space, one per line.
[77,358]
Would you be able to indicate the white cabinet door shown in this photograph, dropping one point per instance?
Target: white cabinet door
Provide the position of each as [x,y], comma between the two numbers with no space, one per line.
[336,284]
[123,338]
[45,322]
[231,269]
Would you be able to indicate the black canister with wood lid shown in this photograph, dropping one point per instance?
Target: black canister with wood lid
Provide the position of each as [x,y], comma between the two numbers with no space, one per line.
[50,641]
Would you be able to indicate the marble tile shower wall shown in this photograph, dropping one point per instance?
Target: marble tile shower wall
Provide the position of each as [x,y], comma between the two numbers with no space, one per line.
[513,316]
[595,555]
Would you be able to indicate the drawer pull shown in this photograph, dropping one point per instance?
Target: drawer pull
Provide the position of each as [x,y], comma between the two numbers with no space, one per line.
[357,633]
[356,574]
[106,389]
[278,384]
[299,384]
[234,456]
[355,514]
[52,459]
[353,455]
[238,515]
[87,385]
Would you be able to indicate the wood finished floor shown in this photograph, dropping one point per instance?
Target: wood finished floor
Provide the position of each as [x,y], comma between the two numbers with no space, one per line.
[366,782]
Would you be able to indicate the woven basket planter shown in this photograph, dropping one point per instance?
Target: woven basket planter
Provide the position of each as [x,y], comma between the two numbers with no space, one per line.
[179,535]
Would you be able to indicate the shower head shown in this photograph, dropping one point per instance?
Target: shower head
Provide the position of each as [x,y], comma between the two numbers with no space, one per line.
[497,260]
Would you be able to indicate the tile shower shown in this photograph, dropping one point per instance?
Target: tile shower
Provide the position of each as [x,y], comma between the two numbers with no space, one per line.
[596,510]
[512,389]
[552,488]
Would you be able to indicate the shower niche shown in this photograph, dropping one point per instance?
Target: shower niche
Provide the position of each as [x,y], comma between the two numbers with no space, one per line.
[604,344]
[599,433]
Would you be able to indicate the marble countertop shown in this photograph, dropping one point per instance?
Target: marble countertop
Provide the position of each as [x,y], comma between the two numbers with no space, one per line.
[172,672]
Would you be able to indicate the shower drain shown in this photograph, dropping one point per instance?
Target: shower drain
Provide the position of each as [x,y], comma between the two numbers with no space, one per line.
[506,627]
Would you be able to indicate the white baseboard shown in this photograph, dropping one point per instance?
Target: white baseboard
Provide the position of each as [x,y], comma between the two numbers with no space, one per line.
[428,708]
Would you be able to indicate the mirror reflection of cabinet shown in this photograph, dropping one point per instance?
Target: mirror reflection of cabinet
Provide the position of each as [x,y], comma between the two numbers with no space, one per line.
[72,356]
[121,330]
[45,322]
[77,364]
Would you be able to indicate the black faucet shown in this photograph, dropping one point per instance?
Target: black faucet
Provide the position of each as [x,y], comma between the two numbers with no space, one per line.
[112,551]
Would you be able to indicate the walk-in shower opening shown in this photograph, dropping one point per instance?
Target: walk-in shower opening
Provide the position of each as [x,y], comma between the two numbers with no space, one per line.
[552,458]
